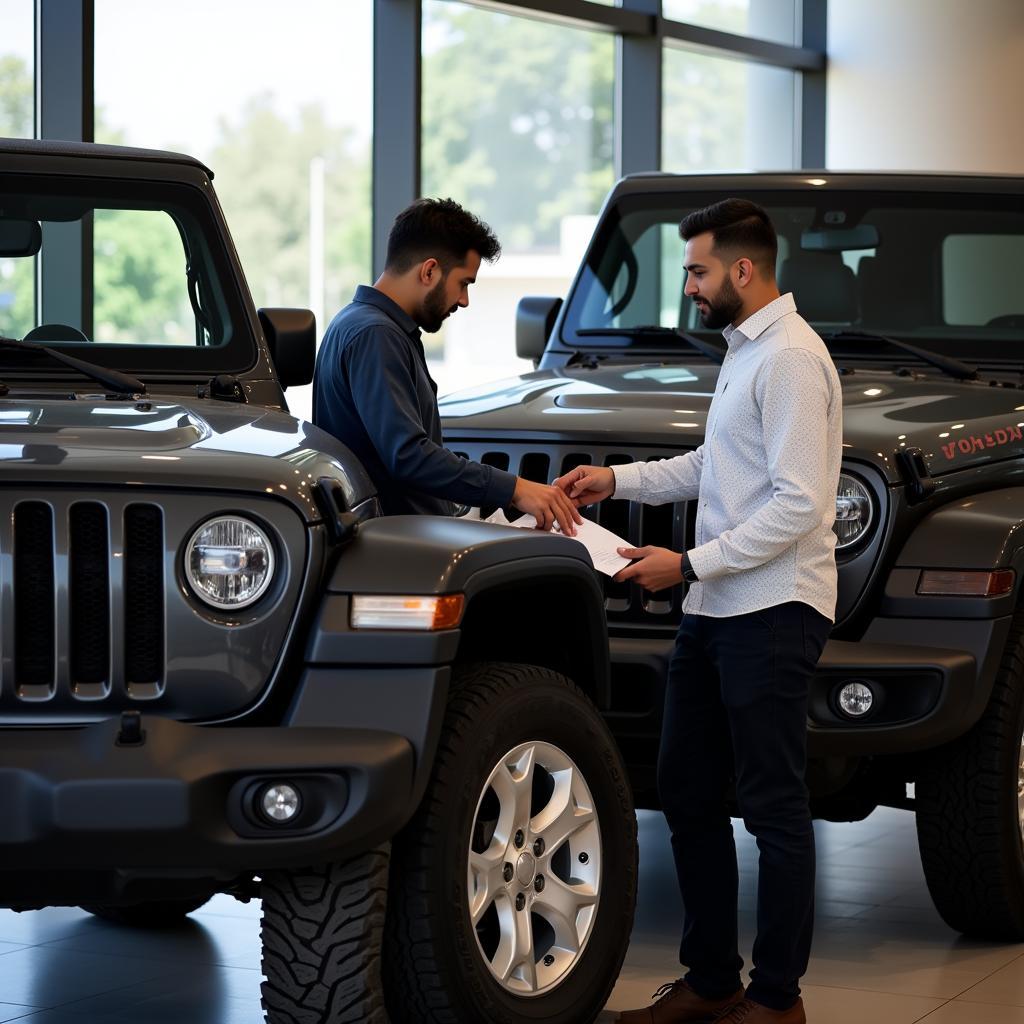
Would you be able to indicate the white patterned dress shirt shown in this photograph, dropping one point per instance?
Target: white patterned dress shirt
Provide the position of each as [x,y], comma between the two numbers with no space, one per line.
[766,475]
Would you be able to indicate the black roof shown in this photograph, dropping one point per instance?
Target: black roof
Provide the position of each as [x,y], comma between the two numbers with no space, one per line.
[925,181]
[60,148]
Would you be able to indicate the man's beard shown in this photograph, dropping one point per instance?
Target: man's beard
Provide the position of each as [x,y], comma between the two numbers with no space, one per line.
[434,310]
[723,308]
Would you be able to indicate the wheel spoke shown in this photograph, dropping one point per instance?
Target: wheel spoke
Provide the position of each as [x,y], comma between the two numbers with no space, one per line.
[513,785]
[562,816]
[560,905]
[514,962]
[485,880]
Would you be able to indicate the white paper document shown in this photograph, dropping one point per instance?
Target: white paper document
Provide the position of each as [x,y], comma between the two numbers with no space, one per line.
[602,544]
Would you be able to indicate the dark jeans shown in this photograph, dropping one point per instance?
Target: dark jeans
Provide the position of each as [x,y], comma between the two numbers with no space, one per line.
[736,709]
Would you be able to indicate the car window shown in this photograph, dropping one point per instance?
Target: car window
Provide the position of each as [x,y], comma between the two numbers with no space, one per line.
[981,279]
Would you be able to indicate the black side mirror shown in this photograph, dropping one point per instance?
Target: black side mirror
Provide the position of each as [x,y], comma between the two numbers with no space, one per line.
[20,237]
[291,337]
[535,319]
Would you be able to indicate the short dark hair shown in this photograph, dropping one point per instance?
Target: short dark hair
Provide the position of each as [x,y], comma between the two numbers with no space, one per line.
[441,229]
[738,227]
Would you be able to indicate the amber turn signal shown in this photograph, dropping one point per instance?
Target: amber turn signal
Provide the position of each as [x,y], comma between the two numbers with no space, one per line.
[966,584]
[426,613]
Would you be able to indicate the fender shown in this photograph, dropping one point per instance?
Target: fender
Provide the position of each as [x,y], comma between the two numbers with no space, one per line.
[978,531]
[548,578]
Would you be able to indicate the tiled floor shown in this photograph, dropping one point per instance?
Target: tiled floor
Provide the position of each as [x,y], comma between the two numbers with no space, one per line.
[881,953]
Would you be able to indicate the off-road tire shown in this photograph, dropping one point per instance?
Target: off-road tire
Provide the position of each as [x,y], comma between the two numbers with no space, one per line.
[968,825]
[434,971]
[155,914]
[321,930]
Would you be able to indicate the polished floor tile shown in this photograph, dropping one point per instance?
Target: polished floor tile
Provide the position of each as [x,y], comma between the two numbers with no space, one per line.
[881,954]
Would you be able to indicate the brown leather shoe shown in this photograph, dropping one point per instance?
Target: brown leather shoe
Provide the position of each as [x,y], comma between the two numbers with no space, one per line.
[677,1003]
[746,1011]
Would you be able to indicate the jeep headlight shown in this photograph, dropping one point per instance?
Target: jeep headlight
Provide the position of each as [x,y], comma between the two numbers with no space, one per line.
[854,511]
[229,562]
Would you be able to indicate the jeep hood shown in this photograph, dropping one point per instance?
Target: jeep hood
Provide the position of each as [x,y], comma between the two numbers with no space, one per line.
[956,425]
[163,442]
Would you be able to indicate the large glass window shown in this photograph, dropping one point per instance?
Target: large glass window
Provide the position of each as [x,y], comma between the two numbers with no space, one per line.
[17,121]
[775,20]
[276,100]
[517,126]
[726,114]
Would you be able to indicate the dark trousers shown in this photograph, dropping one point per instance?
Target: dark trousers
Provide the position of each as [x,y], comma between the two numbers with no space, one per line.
[736,709]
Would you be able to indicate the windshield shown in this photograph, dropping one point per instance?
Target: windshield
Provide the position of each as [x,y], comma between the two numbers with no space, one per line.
[130,275]
[938,270]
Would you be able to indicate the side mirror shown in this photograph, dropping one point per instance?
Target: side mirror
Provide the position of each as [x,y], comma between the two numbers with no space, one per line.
[535,319]
[291,336]
[20,237]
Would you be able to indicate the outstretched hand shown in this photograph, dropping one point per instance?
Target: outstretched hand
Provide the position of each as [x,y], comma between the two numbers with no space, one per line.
[587,485]
[657,568]
[548,504]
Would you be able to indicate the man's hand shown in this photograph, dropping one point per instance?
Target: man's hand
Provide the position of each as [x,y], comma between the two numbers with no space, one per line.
[657,569]
[587,485]
[548,504]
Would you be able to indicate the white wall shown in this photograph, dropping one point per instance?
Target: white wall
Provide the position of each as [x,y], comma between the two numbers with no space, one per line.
[930,85]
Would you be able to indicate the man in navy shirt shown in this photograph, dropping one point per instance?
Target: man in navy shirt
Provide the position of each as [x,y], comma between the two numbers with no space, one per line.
[372,388]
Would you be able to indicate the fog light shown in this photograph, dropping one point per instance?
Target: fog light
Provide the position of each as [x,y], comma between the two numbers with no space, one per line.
[855,699]
[280,803]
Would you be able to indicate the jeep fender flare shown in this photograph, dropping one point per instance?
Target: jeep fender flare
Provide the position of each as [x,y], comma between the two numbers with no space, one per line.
[426,555]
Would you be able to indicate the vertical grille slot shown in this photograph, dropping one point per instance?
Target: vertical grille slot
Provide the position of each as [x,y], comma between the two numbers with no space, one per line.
[34,597]
[499,460]
[535,466]
[144,600]
[89,588]
[614,515]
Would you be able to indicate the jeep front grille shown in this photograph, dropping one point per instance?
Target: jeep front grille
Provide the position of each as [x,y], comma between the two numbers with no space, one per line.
[76,629]
[669,526]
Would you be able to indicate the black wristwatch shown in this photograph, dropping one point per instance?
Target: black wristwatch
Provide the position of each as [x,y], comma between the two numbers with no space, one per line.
[688,574]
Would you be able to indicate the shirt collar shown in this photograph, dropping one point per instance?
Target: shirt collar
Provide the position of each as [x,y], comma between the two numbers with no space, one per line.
[373,297]
[757,323]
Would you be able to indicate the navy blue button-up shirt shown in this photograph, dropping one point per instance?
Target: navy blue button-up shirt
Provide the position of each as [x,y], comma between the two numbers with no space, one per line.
[372,390]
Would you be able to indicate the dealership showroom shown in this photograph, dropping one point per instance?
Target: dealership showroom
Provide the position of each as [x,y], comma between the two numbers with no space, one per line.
[512,511]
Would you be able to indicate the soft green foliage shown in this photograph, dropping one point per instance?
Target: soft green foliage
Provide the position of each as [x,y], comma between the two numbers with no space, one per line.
[17,103]
[139,279]
[517,120]
[17,276]
[263,169]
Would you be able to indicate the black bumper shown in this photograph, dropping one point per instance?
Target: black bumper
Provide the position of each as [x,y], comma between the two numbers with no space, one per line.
[925,695]
[185,797]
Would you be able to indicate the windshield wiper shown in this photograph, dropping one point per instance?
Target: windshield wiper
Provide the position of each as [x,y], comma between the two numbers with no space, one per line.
[112,380]
[656,331]
[947,364]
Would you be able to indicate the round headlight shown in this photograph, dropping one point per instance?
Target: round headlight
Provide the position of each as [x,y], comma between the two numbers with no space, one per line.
[229,562]
[854,511]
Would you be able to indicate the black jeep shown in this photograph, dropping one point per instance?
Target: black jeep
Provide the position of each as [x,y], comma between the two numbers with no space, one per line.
[912,282]
[222,671]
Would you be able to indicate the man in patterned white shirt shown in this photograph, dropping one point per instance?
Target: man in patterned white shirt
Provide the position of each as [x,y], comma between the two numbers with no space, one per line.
[757,614]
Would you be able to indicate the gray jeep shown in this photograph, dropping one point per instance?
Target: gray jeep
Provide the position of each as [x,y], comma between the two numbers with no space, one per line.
[912,280]
[221,671]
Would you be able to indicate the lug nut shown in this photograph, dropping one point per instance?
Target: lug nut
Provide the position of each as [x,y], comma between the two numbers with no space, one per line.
[538,883]
[507,872]
[548,960]
[538,848]
[519,839]
[584,858]
[520,901]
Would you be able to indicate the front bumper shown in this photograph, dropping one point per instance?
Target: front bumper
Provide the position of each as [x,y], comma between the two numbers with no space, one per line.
[77,799]
[926,695]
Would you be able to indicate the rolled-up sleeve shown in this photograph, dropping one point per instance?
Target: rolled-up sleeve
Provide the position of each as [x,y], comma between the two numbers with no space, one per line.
[381,380]
[794,394]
